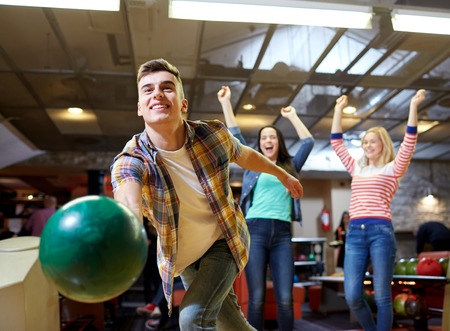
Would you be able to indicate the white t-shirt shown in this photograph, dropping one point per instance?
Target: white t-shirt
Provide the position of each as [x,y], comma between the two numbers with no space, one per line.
[198,228]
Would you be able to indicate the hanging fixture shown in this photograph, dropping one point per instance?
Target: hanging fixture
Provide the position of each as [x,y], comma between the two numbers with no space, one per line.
[430,191]
[429,194]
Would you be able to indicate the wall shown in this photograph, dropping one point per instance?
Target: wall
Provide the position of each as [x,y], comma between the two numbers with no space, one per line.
[317,195]
[409,208]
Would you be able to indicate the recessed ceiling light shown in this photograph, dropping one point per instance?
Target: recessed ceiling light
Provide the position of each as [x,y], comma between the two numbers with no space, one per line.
[249,106]
[423,126]
[75,110]
[349,110]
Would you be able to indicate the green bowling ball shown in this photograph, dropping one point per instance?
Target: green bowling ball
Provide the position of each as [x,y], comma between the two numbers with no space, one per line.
[93,249]
[399,303]
[411,266]
[400,267]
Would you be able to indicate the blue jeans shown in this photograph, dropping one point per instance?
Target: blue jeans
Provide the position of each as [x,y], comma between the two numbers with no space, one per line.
[270,245]
[370,243]
[210,302]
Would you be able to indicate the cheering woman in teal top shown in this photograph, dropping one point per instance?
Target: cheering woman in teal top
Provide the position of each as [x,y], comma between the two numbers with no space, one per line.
[269,211]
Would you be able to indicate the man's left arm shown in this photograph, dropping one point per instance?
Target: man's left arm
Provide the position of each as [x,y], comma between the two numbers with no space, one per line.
[252,160]
[130,194]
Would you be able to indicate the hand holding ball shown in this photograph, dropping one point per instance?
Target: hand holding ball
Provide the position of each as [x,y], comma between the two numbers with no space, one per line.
[93,249]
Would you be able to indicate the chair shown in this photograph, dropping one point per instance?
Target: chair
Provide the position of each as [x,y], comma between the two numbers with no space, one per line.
[270,308]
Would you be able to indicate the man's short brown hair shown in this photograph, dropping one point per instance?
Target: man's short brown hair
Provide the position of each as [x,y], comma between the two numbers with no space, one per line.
[160,65]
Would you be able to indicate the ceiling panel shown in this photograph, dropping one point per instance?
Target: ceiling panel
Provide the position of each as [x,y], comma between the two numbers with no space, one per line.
[119,122]
[14,92]
[433,151]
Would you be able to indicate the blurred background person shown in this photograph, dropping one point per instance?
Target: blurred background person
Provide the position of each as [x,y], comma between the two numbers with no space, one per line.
[432,236]
[339,236]
[39,217]
[5,233]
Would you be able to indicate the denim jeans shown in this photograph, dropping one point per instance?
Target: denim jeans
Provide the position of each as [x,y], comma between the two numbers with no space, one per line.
[373,243]
[270,245]
[210,302]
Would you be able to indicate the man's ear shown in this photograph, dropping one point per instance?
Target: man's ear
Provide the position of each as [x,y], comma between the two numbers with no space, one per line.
[184,107]
[139,109]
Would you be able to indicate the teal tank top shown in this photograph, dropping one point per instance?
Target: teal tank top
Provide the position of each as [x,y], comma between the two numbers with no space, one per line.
[270,200]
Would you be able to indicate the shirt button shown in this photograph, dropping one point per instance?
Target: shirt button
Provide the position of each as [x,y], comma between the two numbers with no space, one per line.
[363,226]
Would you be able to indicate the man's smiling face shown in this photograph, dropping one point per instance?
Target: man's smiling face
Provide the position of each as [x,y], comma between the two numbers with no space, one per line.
[160,99]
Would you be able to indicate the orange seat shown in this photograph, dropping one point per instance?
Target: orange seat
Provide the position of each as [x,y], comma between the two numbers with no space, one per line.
[241,291]
[270,308]
[314,292]
[177,297]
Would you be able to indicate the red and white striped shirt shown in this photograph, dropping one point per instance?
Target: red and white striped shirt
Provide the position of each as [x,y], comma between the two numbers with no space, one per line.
[373,187]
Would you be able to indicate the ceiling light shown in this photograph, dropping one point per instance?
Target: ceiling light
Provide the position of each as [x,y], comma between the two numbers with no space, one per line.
[430,198]
[84,123]
[107,5]
[421,21]
[249,106]
[274,12]
[349,110]
[75,110]
[423,126]
[356,142]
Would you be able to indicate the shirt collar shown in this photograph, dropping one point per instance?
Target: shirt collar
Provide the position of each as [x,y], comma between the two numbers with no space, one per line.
[145,139]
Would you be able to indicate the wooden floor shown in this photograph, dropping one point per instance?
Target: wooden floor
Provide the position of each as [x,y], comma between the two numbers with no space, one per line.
[128,320]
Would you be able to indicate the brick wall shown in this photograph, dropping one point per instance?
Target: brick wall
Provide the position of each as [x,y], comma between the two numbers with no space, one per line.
[410,208]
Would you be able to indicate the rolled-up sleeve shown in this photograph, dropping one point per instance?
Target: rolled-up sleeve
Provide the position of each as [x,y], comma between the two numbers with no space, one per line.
[126,168]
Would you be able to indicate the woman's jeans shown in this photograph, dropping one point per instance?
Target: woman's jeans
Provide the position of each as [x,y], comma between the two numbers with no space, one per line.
[210,302]
[367,243]
[270,245]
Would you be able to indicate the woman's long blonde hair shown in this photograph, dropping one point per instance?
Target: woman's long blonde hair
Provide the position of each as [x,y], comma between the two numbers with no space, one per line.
[388,152]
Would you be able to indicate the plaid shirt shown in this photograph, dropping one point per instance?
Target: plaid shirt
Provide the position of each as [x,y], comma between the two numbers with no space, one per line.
[211,149]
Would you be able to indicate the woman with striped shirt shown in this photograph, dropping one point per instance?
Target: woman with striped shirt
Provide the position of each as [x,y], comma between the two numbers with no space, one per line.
[370,235]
